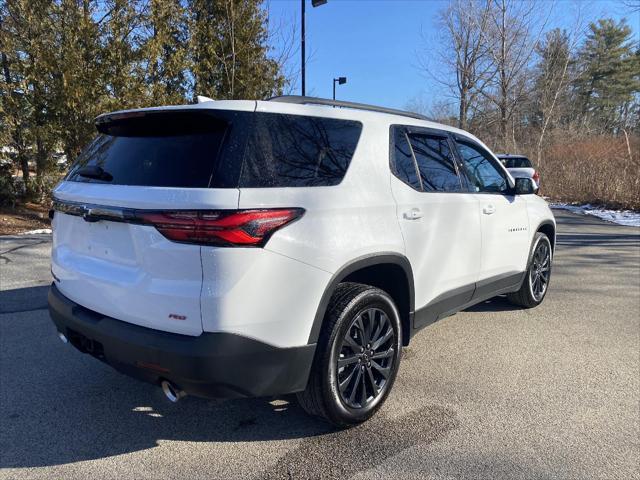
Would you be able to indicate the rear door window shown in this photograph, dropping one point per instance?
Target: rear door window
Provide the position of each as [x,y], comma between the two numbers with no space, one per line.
[298,151]
[435,163]
[403,164]
[157,150]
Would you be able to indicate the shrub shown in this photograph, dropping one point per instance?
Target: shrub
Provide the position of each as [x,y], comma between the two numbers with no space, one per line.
[8,192]
[596,170]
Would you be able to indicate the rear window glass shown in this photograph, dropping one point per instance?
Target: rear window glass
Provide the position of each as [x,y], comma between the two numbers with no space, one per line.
[298,151]
[175,150]
[516,162]
[219,149]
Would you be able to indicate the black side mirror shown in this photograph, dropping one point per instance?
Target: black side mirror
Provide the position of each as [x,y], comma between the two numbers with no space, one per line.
[525,186]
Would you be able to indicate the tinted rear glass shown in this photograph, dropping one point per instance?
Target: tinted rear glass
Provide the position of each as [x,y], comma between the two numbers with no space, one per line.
[175,150]
[516,162]
[298,151]
[220,149]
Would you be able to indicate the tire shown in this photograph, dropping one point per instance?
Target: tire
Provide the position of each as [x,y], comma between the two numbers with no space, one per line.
[536,282]
[346,395]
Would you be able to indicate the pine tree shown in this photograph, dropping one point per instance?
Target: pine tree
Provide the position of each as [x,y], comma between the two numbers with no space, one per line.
[230,54]
[165,52]
[80,85]
[121,55]
[27,39]
[610,75]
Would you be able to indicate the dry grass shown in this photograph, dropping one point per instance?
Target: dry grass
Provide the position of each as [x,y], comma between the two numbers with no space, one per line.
[597,170]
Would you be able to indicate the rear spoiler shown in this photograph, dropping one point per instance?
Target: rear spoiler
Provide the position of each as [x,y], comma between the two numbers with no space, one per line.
[106,122]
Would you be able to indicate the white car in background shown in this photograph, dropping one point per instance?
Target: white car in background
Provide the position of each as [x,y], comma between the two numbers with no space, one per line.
[519,166]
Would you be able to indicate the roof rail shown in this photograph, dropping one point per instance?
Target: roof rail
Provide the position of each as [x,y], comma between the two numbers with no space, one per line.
[300,100]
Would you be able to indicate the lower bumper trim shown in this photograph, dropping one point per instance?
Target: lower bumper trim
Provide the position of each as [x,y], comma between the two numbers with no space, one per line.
[212,365]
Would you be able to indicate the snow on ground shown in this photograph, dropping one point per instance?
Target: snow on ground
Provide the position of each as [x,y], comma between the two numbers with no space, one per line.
[621,217]
[36,232]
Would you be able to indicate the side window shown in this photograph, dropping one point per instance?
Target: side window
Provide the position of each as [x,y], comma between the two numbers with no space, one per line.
[483,174]
[298,151]
[435,163]
[402,163]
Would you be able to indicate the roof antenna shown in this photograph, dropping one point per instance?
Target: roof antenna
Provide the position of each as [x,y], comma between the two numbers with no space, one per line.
[203,99]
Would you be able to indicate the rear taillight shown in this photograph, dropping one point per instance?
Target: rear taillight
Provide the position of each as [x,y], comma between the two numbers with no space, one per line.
[536,176]
[225,228]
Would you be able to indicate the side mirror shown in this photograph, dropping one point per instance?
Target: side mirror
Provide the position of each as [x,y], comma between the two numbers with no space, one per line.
[525,186]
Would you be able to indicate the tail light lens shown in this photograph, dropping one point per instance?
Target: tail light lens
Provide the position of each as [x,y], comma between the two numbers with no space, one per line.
[225,228]
[536,176]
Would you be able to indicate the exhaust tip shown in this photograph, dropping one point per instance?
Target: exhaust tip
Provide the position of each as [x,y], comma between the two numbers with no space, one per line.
[63,338]
[171,391]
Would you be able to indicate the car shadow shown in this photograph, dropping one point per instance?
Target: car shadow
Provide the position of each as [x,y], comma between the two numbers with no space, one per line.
[23,299]
[58,406]
[495,304]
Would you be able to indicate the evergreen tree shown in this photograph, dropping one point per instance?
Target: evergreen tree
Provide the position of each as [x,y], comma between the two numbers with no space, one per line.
[610,75]
[27,49]
[121,70]
[230,54]
[165,52]
[80,80]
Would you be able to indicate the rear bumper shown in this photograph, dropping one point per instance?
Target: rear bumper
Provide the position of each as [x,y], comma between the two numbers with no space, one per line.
[212,365]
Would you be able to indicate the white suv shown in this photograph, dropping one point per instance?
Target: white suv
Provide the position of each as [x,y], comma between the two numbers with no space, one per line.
[259,248]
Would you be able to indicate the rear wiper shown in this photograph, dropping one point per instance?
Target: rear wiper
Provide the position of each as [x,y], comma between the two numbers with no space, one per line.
[94,171]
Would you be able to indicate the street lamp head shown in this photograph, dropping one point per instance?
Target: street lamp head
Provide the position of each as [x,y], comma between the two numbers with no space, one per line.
[342,80]
[317,3]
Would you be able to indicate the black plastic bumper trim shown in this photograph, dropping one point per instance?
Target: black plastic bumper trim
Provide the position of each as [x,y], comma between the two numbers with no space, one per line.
[212,365]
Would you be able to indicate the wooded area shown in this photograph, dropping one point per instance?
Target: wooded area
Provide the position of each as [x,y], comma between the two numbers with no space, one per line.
[568,98]
[66,61]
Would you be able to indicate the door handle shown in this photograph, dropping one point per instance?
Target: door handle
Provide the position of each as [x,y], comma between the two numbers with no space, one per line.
[488,209]
[413,214]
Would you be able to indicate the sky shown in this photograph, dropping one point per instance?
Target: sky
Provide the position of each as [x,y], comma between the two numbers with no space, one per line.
[378,44]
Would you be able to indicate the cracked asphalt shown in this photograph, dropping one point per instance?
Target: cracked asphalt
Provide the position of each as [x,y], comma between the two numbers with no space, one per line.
[493,392]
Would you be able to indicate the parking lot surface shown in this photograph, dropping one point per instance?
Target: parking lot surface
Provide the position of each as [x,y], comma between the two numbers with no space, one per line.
[492,392]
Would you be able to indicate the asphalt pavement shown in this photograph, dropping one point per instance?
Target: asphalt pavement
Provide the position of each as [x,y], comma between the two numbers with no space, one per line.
[492,392]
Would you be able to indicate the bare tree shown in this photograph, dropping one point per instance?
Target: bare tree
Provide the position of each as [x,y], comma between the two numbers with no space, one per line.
[512,35]
[554,76]
[464,53]
[283,36]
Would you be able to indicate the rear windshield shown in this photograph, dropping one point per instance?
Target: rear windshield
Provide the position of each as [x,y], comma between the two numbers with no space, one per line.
[157,151]
[516,162]
[220,149]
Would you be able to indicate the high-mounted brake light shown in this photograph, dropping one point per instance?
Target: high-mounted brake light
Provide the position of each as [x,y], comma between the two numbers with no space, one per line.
[226,228]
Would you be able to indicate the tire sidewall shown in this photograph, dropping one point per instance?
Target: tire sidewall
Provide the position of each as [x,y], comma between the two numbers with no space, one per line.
[373,298]
[541,237]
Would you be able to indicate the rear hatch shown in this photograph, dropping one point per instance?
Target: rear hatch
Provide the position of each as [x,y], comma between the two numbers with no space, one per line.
[125,217]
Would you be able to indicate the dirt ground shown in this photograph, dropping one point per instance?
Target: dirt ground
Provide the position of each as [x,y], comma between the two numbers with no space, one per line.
[24,218]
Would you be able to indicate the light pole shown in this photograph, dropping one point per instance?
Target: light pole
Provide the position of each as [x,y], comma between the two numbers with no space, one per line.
[340,81]
[314,3]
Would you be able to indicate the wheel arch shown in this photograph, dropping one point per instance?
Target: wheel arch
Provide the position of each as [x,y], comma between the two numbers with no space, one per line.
[390,272]
[549,229]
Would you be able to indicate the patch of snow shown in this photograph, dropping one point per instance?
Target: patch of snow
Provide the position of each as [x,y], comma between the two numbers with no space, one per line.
[629,218]
[36,232]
